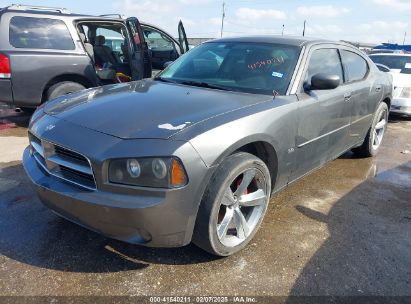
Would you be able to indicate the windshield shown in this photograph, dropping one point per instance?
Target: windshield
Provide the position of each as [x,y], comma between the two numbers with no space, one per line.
[396,62]
[246,67]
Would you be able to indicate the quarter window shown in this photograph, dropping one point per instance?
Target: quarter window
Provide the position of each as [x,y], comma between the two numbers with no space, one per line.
[40,33]
[355,66]
[324,61]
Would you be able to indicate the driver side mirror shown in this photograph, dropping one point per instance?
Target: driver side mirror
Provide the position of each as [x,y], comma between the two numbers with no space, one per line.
[322,81]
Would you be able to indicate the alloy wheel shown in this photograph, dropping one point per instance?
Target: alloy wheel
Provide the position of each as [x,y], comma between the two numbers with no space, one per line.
[242,206]
[379,130]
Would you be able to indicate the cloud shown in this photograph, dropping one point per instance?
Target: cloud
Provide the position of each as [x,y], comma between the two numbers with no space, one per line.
[383,26]
[254,15]
[323,29]
[396,4]
[322,11]
[381,31]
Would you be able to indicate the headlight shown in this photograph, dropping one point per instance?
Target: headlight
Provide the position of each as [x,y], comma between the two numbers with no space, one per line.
[148,172]
[133,168]
[406,92]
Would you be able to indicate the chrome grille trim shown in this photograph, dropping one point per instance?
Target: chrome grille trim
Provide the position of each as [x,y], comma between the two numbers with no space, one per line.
[38,148]
[74,166]
[63,163]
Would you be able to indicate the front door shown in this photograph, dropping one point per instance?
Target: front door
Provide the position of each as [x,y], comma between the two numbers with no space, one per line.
[323,115]
[139,57]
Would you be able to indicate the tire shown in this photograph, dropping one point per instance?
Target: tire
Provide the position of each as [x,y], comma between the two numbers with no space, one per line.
[63,88]
[375,135]
[221,204]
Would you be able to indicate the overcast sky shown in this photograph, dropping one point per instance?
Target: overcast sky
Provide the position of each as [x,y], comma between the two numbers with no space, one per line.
[355,20]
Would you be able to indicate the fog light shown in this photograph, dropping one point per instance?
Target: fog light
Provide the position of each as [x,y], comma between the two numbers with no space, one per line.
[133,168]
[159,168]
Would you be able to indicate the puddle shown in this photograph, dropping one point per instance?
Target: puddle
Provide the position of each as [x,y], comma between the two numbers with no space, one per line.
[400,176]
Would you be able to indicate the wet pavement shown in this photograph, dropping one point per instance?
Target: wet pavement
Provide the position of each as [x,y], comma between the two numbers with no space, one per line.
[343,230]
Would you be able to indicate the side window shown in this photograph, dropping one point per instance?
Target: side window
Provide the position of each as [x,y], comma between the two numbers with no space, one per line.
[356,67]
[157,40]
[113,38]
[40,33]
[324,61]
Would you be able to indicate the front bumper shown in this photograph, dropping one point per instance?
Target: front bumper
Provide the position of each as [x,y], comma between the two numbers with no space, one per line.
[162,219]
[149,216]
[401,106]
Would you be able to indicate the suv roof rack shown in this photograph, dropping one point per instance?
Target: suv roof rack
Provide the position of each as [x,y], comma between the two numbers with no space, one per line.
[113,15]
[22,7]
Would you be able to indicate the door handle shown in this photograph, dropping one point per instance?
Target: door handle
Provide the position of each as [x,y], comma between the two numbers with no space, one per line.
[347,97]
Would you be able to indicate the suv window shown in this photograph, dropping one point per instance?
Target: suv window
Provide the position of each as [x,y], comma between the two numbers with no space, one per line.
[356,67]
[40,33]
[324,61]
[113,39]
[157,40]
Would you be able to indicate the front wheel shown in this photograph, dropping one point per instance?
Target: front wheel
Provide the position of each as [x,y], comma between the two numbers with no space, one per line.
[375,135]
[233,205]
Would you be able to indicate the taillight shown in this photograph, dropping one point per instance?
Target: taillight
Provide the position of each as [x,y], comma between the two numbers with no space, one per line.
[5,71]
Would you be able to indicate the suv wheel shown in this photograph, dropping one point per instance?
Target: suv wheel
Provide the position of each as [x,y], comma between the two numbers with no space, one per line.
[63,88]
[233,205]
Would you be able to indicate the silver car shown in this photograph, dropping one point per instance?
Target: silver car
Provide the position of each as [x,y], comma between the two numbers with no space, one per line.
[196,153]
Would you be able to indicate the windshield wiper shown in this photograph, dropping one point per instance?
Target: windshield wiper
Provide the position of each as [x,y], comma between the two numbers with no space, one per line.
[205,85]
[159,78]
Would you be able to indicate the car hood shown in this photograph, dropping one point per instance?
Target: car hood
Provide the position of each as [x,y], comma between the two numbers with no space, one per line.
[146,108]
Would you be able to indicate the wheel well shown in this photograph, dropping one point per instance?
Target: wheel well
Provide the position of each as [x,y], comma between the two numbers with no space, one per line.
[388,102]
[67,77]
[266,153]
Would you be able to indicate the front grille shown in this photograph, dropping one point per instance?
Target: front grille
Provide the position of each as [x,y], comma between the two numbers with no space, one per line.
[63,163]
[63,152]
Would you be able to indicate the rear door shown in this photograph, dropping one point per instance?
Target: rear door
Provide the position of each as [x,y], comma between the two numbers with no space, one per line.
[323,115]
[139,55]
[182,38]
[363,91]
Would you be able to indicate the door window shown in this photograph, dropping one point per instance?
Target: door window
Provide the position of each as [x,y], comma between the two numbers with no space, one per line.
[157,40]
[324,61]
[40,33]
[356,68]
[113,38]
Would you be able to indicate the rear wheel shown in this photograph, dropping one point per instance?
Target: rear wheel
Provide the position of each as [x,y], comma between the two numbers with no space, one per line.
[233,205]
[63,88]
[375,135]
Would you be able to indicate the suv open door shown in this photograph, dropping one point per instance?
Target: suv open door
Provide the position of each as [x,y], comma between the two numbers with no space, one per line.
[139,57]
[182,38]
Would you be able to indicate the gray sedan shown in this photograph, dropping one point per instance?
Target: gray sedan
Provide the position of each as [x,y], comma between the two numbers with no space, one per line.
[196,153]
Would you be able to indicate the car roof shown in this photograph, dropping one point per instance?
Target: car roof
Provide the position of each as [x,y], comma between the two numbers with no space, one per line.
[55,13]
[289,40]
[76,17]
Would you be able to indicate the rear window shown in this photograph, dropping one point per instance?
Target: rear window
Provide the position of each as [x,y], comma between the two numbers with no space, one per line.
[40,33]
[356,68]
